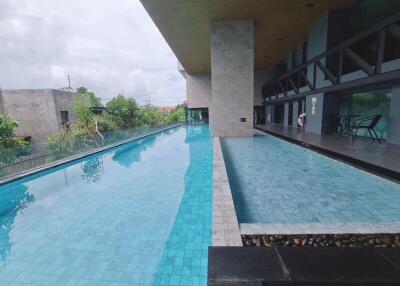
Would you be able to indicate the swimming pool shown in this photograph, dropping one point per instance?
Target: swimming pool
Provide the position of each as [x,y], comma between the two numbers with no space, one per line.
[138,214]
[276,182]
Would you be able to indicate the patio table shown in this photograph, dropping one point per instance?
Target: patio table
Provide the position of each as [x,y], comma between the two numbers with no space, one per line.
[347,119]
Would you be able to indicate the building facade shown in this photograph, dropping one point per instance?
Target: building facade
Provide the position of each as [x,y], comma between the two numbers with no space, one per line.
[39,112]
[254,62]
[347,68]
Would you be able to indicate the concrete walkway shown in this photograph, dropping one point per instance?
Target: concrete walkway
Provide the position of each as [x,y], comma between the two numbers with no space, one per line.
[259,266]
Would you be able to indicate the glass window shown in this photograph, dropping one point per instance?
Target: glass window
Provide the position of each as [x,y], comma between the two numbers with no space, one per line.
[369,103]
[197,116]
[64,117]
[369,12]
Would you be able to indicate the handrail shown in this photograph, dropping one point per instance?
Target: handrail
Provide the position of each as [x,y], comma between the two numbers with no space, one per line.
[337,48]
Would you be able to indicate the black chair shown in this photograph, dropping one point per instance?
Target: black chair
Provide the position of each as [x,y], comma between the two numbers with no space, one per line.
[369,123]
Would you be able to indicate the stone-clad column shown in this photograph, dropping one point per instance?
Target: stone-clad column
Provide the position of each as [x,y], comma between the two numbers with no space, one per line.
[394,117]
[232,78]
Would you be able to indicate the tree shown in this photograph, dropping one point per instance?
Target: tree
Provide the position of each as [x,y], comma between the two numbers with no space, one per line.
[149,115]
[124,110]
[91,100]
[10,148]
[7,126]
[83,101]
[7,133]
[175,116]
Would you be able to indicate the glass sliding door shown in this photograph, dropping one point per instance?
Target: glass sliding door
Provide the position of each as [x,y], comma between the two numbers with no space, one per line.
[196,115]
[362,104]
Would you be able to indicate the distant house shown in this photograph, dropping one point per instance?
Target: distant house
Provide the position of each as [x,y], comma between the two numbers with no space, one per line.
[39,112]
[166,109]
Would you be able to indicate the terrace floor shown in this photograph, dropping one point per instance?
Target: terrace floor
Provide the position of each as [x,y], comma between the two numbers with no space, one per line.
[382,159]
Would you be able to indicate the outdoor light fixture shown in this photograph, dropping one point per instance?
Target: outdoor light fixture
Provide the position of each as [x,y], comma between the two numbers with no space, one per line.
[309,5]
[279,39]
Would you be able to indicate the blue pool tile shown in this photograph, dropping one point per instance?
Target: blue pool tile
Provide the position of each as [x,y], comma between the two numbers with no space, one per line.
[274,181]
[139,214]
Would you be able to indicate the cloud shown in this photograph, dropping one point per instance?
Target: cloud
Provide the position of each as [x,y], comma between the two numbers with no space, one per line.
[107,46]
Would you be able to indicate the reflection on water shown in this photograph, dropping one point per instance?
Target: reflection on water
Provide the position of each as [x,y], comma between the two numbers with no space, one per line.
[92,170]
[12,201]
[90,219]
[14,197]
[130,154]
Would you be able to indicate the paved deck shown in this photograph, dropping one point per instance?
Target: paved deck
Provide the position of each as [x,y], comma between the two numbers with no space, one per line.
[382,159]
[259,266]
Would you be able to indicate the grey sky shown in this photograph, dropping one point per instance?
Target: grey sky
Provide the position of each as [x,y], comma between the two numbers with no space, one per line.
[105,45]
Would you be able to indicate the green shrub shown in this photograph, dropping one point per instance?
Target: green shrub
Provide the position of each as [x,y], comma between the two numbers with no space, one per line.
[70,142]
[124,111]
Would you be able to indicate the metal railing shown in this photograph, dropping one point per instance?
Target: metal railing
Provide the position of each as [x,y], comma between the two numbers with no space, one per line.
[297,78]
[17,160]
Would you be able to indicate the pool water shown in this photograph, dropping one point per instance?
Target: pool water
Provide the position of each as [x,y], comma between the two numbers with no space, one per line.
[274,181]
[138,214]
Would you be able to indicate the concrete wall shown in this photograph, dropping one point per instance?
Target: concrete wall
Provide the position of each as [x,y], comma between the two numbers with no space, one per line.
[198,90]
[63,102]
[232,72]
[37,111]
[394,113]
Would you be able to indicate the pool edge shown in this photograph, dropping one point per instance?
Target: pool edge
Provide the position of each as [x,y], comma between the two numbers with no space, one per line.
[319,228]
[226,231]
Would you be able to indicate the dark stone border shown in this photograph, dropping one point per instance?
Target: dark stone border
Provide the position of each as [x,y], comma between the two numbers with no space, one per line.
[365,166]
[303,266]
[383,240]
[75,158]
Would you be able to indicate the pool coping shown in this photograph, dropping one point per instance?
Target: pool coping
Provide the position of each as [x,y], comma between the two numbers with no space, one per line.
[318,228]
[76,157]
[225,230]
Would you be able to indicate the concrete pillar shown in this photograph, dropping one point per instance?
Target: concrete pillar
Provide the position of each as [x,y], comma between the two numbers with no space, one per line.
[394,117]
[295,112]
[316,44]
[286,118]
[232,78]
[314,111]
[198,90]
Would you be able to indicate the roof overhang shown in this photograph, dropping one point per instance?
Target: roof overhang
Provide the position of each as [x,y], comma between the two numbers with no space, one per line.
[280,25]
